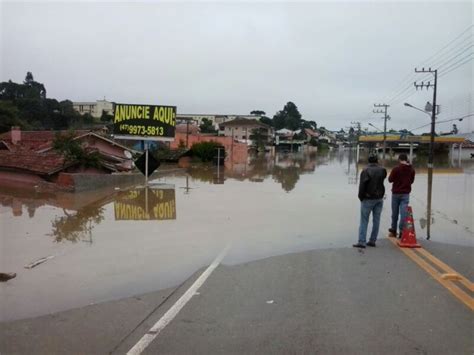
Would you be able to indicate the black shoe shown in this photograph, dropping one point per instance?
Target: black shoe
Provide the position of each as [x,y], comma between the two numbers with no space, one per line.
[6,276]
[392,233]
[358,245]
[371,244]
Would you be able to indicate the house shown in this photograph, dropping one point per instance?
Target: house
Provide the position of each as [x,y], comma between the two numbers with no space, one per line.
[327,137]
[29,157]
[241,129]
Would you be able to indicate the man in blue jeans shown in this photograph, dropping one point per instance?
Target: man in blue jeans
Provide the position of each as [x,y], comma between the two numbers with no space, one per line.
[402,178]
[371,192]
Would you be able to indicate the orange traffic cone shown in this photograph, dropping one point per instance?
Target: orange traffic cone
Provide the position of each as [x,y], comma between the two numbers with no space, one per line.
[408,234]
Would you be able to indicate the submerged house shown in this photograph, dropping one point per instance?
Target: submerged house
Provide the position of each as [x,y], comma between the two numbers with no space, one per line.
[29,157]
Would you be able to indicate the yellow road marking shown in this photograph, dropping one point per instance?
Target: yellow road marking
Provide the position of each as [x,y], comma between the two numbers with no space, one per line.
[447,283]
[447,269]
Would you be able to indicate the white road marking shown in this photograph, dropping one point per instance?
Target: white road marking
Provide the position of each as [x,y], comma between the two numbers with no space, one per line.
[174,310]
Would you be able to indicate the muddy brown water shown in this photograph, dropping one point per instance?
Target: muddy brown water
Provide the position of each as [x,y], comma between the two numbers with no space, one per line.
[114,243]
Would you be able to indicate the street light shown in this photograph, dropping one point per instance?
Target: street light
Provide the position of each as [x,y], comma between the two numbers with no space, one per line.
[416,108]
[378,129]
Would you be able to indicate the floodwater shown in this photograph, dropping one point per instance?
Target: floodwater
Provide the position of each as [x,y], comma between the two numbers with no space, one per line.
[114,243]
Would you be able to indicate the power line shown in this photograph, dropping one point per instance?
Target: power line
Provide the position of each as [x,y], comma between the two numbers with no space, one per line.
[394,99]
[462,47]
[447,45]
[448,70]
[397,92]
[444,121]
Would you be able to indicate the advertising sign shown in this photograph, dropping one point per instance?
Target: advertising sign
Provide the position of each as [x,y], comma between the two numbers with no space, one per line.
[144,122]
[144,204]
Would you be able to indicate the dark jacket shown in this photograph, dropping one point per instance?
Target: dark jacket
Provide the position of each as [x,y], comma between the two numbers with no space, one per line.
[402,177]
[371,182]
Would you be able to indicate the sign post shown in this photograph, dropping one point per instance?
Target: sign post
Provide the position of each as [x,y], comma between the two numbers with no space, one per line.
[146,163]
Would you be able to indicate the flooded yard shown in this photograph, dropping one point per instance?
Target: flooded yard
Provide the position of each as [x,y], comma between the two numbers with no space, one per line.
[113,243]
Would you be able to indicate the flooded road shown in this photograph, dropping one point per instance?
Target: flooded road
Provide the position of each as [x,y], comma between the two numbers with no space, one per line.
[114,243]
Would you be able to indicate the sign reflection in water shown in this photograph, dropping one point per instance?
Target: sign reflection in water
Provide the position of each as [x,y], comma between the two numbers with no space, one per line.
[142,204]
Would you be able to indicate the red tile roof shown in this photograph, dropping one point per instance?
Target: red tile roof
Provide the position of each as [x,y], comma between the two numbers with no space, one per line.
[38,163]
[34,140]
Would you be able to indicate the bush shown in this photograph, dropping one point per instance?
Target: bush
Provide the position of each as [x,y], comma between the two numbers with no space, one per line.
[323,146]
[205,151]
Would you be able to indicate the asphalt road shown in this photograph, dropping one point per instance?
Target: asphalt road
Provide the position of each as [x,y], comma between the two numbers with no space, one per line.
[333,301]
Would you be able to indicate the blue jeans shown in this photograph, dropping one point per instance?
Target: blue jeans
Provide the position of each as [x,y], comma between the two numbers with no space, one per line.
[367,206]
[399,208]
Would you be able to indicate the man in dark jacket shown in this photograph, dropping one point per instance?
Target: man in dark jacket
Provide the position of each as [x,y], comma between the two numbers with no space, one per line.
[371,192]
[402,178]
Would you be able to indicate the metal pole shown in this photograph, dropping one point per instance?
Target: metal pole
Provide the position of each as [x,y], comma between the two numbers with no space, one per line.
[411,152]
[459,154]
[187,133]
[146,203]
[452,154]
[384,133]
[430,157]
[357,158]
[146,163]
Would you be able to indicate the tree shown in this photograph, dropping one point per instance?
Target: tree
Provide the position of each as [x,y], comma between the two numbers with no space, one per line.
[258,137]
[309,124]
[207,126]
[29,78]
[266,120]
[258,112]
[280,119]
[9,116]
[106,117]
[73,151]
[289,117]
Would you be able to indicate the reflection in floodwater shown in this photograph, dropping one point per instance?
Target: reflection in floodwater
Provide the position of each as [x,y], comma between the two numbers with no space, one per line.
[81,212]
[146,203]
[283,168]
[77,226]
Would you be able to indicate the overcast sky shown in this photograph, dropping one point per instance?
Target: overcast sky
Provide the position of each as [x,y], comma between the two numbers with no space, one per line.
[334,60]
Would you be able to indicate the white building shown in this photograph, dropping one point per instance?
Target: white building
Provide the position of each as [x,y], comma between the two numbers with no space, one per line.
[216,119]
[95,109]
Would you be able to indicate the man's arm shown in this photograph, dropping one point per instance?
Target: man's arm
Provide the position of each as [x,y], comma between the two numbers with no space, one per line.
[364,179]
[413,176]
[391,177]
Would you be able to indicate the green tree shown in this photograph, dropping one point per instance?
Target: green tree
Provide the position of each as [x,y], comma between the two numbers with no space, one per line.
[73,151]
[266,120]
[206,126]
[258,138]
[289,117]
[35,110]
[309,124]
[206,151]
[258,112]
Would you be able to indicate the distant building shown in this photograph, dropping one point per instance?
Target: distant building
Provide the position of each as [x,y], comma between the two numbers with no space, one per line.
[242,128]
[95,109]
[216,119]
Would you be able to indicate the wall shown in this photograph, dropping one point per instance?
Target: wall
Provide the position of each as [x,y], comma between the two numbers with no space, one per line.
[227,142]
[20,177]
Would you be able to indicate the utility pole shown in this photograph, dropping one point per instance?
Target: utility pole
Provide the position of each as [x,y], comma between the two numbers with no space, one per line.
[187,133]
[385,118]
[431,152]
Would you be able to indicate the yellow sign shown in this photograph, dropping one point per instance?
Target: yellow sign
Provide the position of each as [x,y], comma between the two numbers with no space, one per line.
[144,122]
[145,204]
